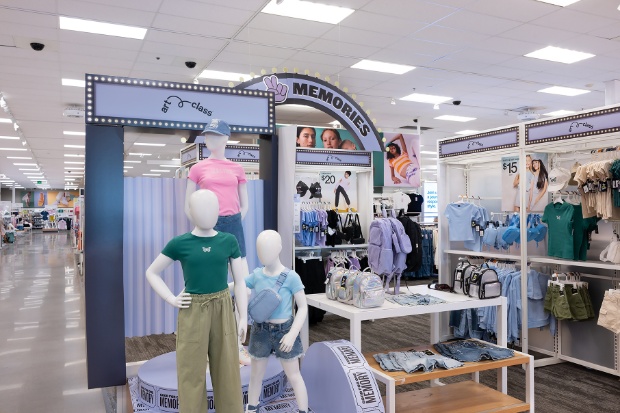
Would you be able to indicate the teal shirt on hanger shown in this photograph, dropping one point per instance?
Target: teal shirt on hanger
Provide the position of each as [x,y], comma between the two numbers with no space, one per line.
[559,219]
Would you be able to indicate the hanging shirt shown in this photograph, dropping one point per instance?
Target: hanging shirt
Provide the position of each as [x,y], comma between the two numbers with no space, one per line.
[559,220]
[199,253]
[223,178]
[415,203]
[45,214]
[400,200]
[481,222]
[460,217]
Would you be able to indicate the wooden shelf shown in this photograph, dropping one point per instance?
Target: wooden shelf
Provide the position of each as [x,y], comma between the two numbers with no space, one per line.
[401,377]
[464,397]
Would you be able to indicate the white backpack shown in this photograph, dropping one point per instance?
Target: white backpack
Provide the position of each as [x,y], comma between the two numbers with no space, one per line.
[368,290]
[332,282]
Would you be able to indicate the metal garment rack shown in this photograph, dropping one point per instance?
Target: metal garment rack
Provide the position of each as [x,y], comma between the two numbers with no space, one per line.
[457,174]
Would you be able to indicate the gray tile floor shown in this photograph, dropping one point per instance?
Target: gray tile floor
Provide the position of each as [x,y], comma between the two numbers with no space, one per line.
[42,343]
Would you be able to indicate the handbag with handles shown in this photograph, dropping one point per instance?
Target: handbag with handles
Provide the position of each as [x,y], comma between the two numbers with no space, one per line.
[353,229]
[335,236]
[263,305]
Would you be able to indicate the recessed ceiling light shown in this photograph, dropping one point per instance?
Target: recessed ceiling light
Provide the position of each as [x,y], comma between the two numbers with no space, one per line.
[557,54]
[455,118]
[559,113]
[127,167]
[25,164]
[71,133]
[382,67]
[18,157]
[299,9]
[149,144]
[34,173]
[219,75]
[133,161]
[74,167]
[74,155]
[69,179]
[73,82]
[564,91]
[139,154]
[75,146]
[160,170]
[28,169]
[109,29]
[151,174]
[422,98]
[562,3]
[74,163]
[6,120]
[13,149]
[467,132]
[169,166]
[429,152]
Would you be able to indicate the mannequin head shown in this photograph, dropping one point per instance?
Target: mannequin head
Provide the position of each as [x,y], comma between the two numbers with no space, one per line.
[216,144]
[268,247]
[204,208]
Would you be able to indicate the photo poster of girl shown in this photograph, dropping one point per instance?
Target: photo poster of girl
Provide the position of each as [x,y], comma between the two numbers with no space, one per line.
[535,179]
[401,161]
[325,138]
[40,199]
[27,198]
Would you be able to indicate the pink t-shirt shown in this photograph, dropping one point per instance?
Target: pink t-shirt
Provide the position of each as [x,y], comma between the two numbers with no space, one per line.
[223,178]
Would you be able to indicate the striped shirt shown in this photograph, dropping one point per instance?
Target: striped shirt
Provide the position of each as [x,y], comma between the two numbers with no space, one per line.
[400,164]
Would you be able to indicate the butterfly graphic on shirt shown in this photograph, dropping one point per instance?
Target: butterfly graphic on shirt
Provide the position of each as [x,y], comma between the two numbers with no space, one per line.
[558,217]
[206,249]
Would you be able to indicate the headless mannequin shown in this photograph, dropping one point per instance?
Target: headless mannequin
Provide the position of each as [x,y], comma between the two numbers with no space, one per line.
[268,247]
[203,209]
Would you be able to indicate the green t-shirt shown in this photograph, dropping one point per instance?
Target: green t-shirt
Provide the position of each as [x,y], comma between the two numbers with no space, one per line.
[559,219]
[581,230]
[204,260]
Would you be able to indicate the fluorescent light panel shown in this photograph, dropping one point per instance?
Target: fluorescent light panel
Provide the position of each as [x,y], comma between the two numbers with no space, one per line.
[139,154]
[13,149]
[422,98]
[71,133]
[149,144]
[220,75]
[132,161]
[561,112]
[376,66]
[73,155]
[169,166]
[18,157]
[305,10]
[10,137]
[95,27]
[127,167]
[429,152]
[557,54]
[160,170]
[28,169]
[73,82]
[25,164]
[74,163]
[562,3]
[151,174]
[564,91]
[6,120]
[75,146]
[74,167]
[467,132]
[455,118]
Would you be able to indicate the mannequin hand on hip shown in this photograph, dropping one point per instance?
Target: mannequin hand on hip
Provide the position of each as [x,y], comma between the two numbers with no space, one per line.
[286,344]
[183,300]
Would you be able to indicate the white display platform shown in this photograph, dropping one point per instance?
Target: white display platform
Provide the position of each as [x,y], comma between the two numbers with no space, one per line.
[156,387]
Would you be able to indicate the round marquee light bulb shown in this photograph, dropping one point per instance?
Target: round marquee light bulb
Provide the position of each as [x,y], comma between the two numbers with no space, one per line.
[252,75]
[263,72]
[285,69]
[307,72]
[295,70]
[231,84]
[274,70]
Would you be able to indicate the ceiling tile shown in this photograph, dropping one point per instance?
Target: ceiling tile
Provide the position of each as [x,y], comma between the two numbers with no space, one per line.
[421,11]
[268,37]
[193,26]
[412,45]
[519,10]
[289,25]
[565,18]
[35,5]
[338,48]
[396,26]
[479,23]
[537,34]
[459,37]
[266,51]
[360,36]
[144,5]
[104,13]
[229,13]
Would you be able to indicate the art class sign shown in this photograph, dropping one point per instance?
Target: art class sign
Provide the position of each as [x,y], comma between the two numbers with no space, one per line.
[292,88]
[482,142]
[593,123]
[123,101]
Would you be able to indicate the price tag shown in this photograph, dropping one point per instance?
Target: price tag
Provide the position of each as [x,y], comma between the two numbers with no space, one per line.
[473,224]
[602,186]
[482,233]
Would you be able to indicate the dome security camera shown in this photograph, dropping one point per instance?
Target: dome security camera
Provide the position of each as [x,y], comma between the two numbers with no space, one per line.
[456,102]
[415,121]
[37,46]
[190,64]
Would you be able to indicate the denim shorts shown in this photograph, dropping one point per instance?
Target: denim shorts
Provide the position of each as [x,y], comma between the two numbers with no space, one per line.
[469,351]
[411,361]
[232,225]
[265,340]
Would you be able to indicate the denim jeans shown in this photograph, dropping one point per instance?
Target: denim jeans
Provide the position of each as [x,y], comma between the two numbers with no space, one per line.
[411,361]
[473,351]
[232,225]
[414,299]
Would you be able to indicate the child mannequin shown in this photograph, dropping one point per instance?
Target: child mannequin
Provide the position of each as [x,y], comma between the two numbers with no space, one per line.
[206,323]
[280,334]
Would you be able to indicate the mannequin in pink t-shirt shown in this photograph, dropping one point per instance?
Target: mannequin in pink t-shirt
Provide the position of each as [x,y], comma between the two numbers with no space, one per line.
[227,180]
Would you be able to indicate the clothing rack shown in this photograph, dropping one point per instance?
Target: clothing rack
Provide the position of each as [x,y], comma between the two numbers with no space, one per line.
[479,198]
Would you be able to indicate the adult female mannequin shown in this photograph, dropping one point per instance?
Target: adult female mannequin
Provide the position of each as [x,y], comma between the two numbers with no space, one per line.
[280,334]
[206,323]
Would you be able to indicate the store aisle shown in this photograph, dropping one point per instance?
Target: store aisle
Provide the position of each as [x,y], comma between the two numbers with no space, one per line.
[42,332]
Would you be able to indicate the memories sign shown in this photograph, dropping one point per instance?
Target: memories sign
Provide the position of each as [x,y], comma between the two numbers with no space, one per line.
[294,88]
[123,101]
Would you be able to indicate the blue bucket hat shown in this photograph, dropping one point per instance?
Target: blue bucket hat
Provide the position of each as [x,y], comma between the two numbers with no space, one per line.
[217,127]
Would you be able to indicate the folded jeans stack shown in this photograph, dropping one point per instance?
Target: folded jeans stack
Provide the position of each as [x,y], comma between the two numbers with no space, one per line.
[414,299]
[472,351]
[410,361]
